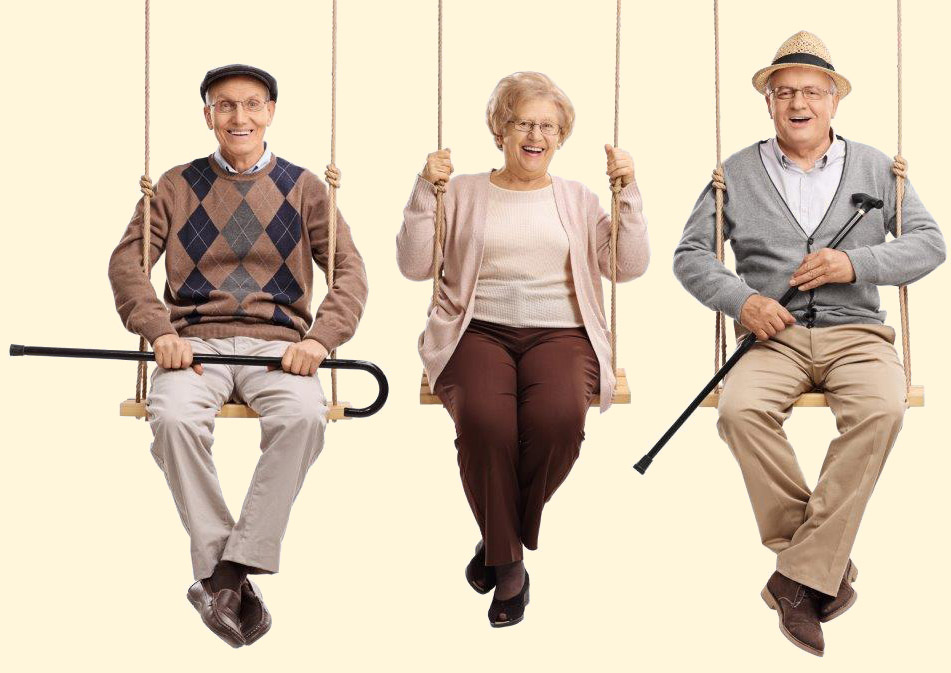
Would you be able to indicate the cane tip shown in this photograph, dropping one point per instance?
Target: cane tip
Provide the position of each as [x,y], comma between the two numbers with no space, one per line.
[643,464]
[17,349]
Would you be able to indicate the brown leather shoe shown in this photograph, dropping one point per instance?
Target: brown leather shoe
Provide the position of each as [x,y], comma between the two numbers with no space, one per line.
[798,614]
[830,608]
[254,616]
[219,610]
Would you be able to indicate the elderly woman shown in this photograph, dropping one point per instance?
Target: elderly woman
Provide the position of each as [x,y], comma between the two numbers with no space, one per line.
[516,344]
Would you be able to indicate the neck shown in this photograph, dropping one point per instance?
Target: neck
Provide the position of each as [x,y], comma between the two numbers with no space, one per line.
[805,157]
[509,180]
[243,162]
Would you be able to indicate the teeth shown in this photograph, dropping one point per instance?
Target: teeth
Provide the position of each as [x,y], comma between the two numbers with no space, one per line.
[530,148]
[240,133]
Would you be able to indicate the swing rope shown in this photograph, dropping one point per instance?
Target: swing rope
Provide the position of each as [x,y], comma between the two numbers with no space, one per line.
[440,233]
[332,176]
[719,186]
[615,189]
[900,169]
[145,185]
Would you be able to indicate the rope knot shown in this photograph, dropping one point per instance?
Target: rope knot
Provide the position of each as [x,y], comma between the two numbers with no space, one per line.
[332,175]
[719,181]
[900,167]
[616,186]
[145,185]
[441,187]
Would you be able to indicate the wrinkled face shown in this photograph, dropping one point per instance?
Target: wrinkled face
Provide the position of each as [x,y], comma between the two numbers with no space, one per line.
[802,123]
[528,153]
[240,133]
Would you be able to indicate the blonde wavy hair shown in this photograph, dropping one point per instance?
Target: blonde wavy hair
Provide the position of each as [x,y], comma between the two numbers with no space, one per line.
[520,86]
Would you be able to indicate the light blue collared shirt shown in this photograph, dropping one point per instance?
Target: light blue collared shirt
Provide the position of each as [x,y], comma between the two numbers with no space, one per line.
[228,168]
[807,193]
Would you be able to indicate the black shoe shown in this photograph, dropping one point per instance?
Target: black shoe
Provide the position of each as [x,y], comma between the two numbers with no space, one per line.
[510,611]
[480,576]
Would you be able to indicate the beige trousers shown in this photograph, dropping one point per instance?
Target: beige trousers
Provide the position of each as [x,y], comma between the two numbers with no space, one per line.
[182,407]
[812,532]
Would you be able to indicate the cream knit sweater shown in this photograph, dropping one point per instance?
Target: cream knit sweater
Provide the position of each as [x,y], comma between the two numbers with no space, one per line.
[525,276]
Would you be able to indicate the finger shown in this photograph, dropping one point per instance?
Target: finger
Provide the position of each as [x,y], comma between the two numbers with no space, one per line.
[287,359]
[186,356]
[787,317]
[818,282]
[161,359]
[176,357]
[761,335]
[198,369]
[313,367]
[777,324]
[297,363]
[609,150]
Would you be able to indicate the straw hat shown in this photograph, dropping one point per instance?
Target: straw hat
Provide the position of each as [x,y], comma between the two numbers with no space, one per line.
[802,50]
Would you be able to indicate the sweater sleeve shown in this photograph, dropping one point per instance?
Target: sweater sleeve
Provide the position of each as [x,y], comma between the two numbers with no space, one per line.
[907,258]
[139,307]
[697,267]
[341,309]
[633,247]
[415,240]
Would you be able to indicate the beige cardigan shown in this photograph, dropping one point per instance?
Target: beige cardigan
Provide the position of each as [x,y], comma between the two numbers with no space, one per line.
[589,231]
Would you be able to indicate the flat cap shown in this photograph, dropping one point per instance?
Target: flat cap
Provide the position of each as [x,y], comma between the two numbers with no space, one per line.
[239,69]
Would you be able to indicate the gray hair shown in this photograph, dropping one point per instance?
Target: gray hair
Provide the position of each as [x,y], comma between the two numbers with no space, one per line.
[519,86]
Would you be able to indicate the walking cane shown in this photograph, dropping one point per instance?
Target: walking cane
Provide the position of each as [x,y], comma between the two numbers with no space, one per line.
[864,203]
[214,359]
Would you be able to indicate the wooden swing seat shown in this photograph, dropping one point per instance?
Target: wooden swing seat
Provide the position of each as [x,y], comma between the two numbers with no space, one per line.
[916,398]
[230,410]
[622,393]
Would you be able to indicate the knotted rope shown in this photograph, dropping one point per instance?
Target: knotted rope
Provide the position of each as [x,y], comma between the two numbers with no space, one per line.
[440,224]
[616,187]
[145,185]
[719,188]
[332,175]
[900,169]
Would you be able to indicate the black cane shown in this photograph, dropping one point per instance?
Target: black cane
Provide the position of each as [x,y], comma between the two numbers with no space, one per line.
[865,203]
[214,359]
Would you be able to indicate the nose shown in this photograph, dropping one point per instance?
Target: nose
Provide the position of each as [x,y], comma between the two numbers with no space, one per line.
[536,132]
[239,114]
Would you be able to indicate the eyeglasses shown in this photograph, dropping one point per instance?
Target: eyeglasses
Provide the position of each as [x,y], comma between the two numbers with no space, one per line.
[250,105]
[808,92]
[526,126]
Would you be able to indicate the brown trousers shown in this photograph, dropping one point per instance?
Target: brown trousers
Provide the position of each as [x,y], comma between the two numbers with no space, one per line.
[519,397]
[812,531]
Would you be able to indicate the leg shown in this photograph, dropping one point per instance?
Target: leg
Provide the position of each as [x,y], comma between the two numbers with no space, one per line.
[865,386]
[478,388]
[293,419]
[558,375]
[182,407]
[757,398]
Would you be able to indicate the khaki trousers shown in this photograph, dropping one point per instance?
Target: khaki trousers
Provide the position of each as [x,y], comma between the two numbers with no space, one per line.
[812,532]
[182,407]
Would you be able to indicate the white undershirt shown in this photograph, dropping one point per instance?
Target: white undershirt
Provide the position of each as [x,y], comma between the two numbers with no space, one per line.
[525,277]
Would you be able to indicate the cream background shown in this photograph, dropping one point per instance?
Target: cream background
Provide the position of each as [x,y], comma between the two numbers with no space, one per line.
[648,573]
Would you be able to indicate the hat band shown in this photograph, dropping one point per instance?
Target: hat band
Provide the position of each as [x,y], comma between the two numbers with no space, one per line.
[805,59]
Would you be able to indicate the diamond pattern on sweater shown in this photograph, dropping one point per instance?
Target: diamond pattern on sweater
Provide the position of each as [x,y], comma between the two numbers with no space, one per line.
[196,287]
[281,318]
[285,229]
[240,284]
[244,187]
[242,230]
[198,234]
[283,287]
[285,175]
[200,176]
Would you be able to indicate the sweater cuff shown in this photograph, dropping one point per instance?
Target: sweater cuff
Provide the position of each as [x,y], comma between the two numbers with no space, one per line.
[864,264]
[631,200]
[156,328]
[734,303]
[325,337]
[424,194]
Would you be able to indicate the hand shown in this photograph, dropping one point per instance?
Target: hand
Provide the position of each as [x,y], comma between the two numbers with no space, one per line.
[821,267]
[438,167]
[620,165]
[173,352]
[764,317]
[303,358]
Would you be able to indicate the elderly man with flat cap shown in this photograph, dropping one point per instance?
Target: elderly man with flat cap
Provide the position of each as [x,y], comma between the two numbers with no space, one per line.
[786,198]
[239,229]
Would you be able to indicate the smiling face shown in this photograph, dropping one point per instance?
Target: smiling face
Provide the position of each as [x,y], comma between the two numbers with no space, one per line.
[802,125]
[528,153]
[240,133]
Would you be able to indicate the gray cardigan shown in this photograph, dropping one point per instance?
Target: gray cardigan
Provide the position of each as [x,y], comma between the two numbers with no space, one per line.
[769,244]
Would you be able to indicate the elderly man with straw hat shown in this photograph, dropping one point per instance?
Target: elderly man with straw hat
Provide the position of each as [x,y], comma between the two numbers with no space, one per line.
[786,198]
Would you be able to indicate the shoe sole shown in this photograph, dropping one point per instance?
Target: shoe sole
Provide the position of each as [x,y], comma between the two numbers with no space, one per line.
[853,575]
[512,622]
[236,640]
[771,602]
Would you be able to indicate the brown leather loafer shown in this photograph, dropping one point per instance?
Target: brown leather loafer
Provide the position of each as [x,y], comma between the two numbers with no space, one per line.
[219,610]
[254,616]
[480,576]
[830,608]
[798,614]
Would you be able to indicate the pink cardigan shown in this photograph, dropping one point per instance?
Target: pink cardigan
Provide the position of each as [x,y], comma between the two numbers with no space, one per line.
[589,231]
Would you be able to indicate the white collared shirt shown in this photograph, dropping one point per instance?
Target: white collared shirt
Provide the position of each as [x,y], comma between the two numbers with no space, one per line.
[806,193]
[228,168]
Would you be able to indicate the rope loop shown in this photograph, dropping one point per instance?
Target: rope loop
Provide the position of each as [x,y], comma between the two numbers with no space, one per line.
[616,187]
[441,186]
[332,175]
[719,180]
[145,185]
[900,167]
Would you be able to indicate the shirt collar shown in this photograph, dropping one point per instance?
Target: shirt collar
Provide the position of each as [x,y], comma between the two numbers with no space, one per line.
[836,151]
[228,168]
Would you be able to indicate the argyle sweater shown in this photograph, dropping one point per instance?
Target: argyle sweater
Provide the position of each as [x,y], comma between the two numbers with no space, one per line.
[238,252]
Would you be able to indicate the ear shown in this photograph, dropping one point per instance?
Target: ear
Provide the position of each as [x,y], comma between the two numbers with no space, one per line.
[769,107]
[498,141]
[271,108]
[208,121]
[835,105]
